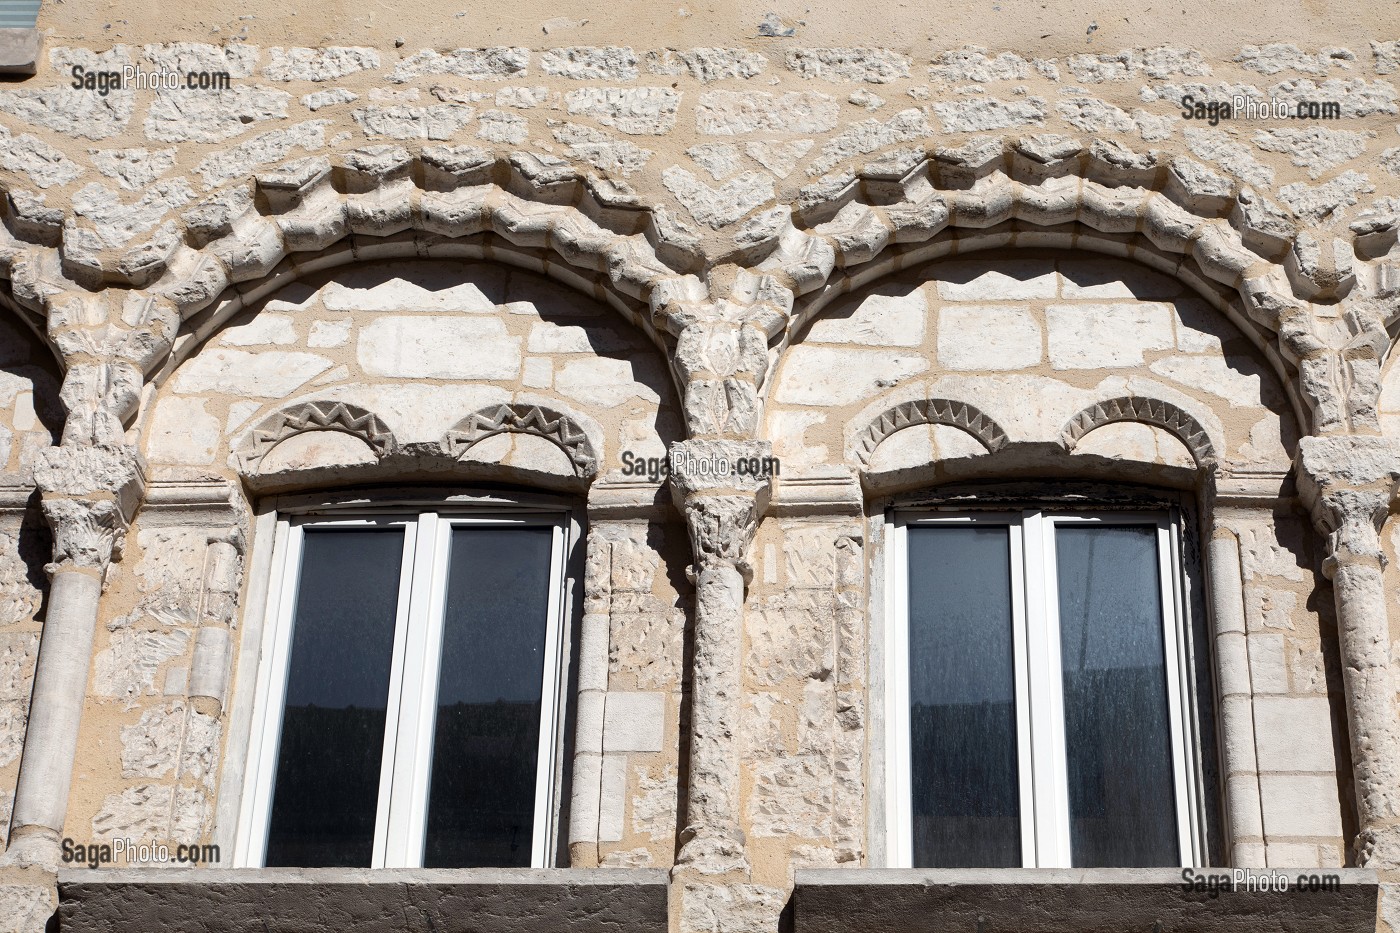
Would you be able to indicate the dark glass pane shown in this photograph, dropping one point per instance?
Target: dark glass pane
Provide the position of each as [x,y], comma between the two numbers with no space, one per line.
[962,695]
[481,809]
[1122,807]
[327,789]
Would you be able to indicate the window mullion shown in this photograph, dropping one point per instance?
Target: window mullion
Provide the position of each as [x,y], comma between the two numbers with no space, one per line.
[430,596]
[549,702]
[1025,727]
[398,735]
[1178,673]
[1047,700]
[272,686]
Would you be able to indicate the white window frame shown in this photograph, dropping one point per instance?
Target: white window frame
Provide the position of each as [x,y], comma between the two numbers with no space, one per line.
[406,765]
[1044,789]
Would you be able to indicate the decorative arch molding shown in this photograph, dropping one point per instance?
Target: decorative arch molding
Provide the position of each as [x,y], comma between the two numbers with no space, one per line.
[942,411]
[538,420]
[315,416]
[1142,410]
[996,192]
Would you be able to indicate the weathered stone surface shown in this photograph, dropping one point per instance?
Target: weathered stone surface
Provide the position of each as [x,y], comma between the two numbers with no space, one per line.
[1317,149]
[128,668]
[721,160]
[239,373]
[1134,63]
[1093,115]
[153,813]
[438,122]
[987,337]
[588,63]
[654,806]
[424,346]
[76,111]
[44,165]
[825,376]
[981,115]
[825,901]
[602,381]
[237,58]
[706,64]
[116,223]
[974,66]
[1282,56]
[1087,336]
[718,207]
[497,126]
[183,432]
[263,149]
[636,111]
[731,908]
[134,169]
[876,66]
[212,116]
[634,722]
[604,152]
[1219,147]
[401,900]
[728,113]
[1314,204]
[497,63]
[327,64]
[328,98]
[890,317]
[869,135]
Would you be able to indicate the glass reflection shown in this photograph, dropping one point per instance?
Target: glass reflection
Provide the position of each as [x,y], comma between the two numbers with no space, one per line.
[327,784]
[1117,735]
[962,694]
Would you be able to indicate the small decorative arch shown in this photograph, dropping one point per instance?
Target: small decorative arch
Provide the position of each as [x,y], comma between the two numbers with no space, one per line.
[322,415]
[567,434]
[930,411]
[1150,411]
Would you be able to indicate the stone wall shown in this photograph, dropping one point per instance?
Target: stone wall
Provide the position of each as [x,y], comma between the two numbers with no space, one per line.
[401,263]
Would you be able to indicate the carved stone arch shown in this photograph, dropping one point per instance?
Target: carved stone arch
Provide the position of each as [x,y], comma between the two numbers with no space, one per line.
[996,192]
[247,240]
[322,415]
[929,411]
[538,420]
[1171,418]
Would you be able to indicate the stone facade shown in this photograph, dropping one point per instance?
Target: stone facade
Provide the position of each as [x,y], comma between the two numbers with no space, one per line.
[515,263]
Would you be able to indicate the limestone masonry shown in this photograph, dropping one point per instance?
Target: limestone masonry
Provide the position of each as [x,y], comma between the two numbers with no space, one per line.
[731,293]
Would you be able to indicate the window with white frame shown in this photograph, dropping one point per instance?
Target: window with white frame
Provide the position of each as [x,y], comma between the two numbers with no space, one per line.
[1039,708]
[408,693]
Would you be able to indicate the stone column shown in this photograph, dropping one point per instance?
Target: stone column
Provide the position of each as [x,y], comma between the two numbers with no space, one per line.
[89,495]
[722,507]
[1349,483]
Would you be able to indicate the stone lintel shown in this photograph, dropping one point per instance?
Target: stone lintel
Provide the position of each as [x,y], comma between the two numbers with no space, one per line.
[366,900]
[1075,901]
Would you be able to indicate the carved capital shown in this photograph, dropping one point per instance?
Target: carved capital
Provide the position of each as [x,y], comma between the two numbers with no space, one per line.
[721,530]
[89,497]
[722,487]
[1349,484]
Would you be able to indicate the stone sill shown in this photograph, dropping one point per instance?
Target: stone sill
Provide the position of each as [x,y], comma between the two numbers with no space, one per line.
[19,51]
[275,900]
[1150,900]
